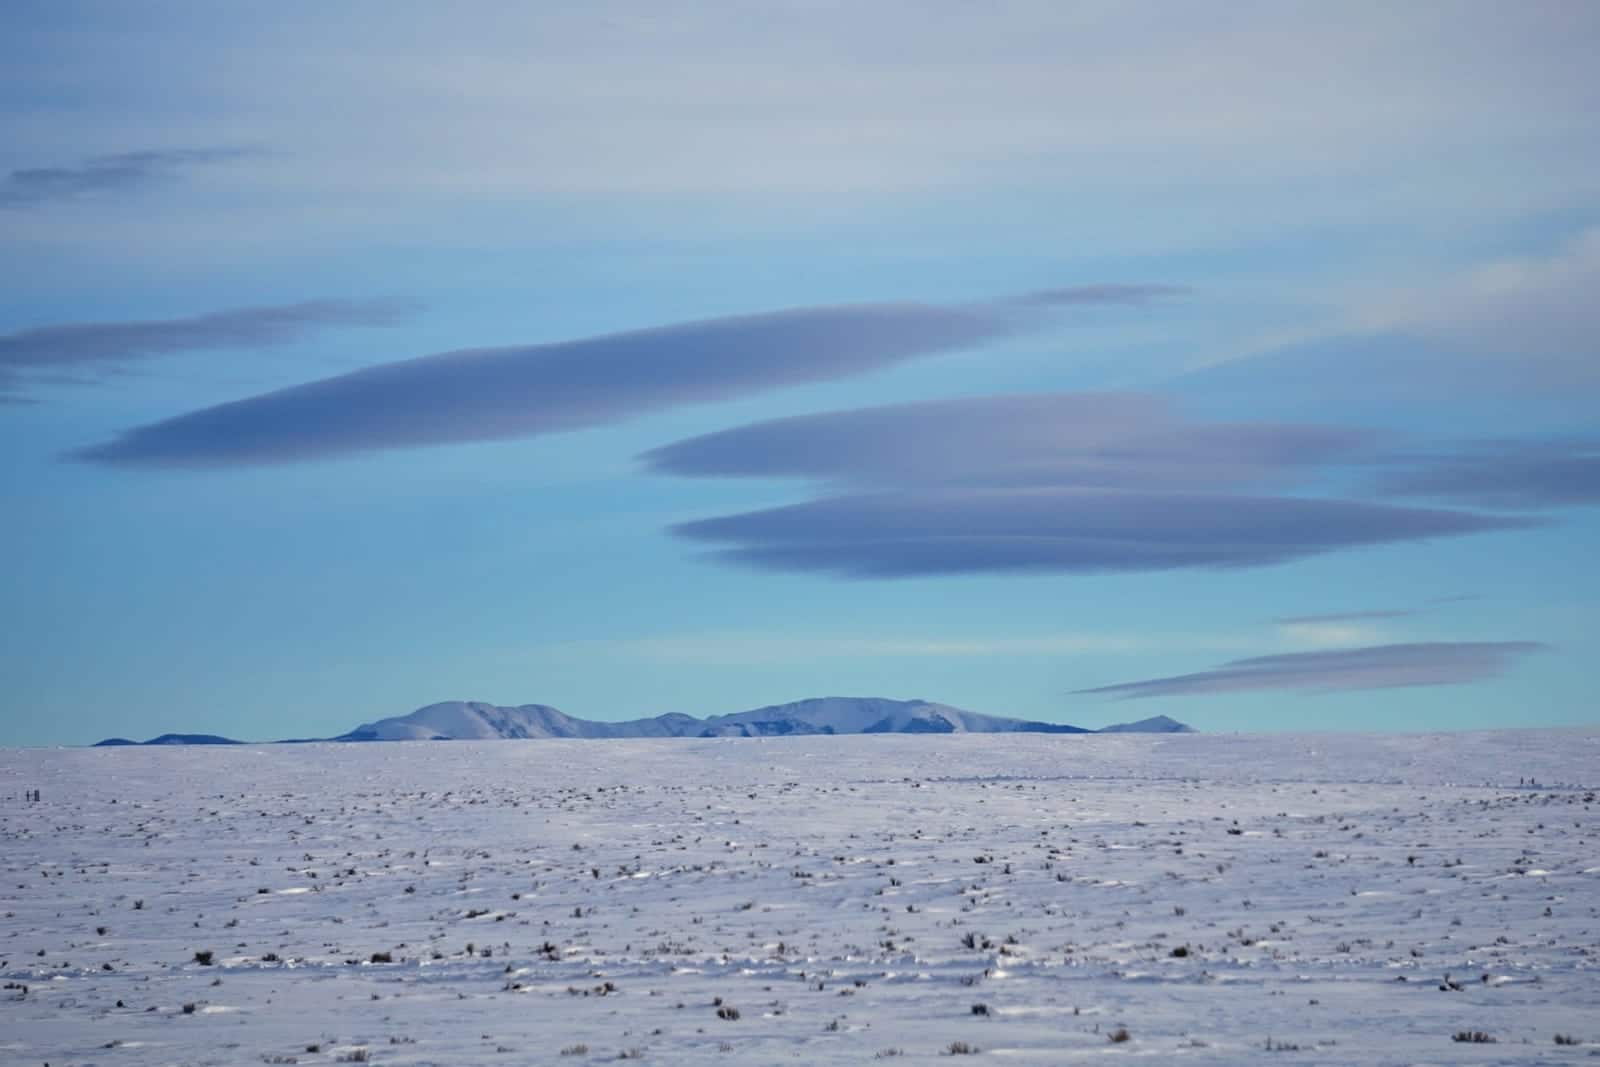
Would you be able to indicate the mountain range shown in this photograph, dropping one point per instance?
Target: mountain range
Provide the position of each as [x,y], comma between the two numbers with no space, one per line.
[457,720]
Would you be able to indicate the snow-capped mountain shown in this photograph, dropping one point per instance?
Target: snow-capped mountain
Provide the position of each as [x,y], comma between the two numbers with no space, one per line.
[457,720]
[471,720]
[869,715]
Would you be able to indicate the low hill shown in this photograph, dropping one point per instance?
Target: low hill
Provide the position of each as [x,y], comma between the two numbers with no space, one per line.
[169,739]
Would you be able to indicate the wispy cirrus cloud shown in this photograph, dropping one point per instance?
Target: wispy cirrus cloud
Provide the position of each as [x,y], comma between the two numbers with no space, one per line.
[1346,616]
[921,532]
[1371,614]
[525,390]
[1375,667]
[103,175]
[1339,629]
[1343,629]
[611,97]
[84,351]
[1536,314]
[1526,325]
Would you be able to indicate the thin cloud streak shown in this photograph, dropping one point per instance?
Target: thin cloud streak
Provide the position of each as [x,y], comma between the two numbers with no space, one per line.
[1375,667]
[1080,531]
[1513,475]
[96,349]
[1346,616]
[36,186]
[92,342]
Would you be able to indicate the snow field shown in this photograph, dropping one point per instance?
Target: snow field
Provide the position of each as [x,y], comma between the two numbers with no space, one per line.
[1324,899]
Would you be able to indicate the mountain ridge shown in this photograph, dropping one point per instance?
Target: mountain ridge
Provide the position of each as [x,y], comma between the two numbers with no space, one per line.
[455,720]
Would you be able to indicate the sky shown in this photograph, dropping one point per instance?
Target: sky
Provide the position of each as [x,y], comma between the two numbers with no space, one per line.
[1070,361]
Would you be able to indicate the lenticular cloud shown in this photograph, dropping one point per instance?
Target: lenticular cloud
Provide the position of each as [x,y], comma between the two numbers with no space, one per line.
[1082,531]
[1076,483]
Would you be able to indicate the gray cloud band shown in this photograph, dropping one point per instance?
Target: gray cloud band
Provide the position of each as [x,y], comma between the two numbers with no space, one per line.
[1505,474]
[1111,440]
[1083,531]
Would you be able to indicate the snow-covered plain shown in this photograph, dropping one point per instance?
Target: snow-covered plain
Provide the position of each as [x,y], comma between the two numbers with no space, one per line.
[1222,899]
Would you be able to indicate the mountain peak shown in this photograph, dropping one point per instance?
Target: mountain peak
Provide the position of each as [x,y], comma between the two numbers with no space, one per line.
[469,720]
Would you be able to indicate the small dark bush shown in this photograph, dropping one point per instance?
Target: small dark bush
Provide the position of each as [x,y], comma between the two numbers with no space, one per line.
[1472,1037]
[203,958]
[1180,952]
[382,957]
[188,1009]
[961,1048]
[1120,1034]
[728,1011]
[980,1009]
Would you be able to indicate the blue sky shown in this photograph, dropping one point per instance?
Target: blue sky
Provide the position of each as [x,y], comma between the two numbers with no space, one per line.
[1077,362]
